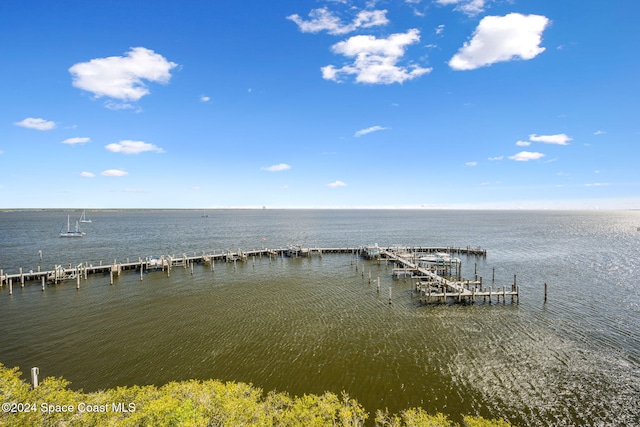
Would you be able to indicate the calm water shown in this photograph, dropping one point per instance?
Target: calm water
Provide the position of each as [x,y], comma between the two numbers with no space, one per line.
[312,325]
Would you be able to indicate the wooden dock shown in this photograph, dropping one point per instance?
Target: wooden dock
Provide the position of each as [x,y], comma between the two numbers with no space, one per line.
[432,285]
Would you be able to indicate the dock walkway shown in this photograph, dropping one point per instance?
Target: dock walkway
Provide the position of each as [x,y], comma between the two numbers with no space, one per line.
[432,286]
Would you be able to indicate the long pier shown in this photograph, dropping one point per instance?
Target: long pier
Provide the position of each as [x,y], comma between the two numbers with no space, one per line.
[432,285]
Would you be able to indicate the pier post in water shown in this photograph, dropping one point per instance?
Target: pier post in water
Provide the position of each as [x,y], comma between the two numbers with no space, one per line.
[21,278]
[10,286]
[389,295]
[42,277]
[545,292]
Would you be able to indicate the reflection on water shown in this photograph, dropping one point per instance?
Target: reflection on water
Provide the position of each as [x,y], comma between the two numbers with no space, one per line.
[312,325]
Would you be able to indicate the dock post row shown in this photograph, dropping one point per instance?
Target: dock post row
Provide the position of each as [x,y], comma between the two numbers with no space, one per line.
[431,286]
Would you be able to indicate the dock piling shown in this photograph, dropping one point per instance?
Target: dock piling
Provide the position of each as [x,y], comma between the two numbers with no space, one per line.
[35,371]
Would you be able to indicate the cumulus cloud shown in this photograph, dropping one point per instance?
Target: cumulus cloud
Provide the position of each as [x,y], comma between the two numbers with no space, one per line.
[77,140]
[336,184]
[495,159]
[559,139]
[324,20]
[597,184]
[36,123]
[276,168]
[88,174]
[469,7]
[599,132]
[501,38]
[132,147]
[204,98]
[369,130]
[122,77]
[523,143]
[471,164]
[114,172]
[376,60]
[525,156]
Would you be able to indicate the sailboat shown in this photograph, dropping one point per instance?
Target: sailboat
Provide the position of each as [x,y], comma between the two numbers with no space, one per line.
[83,217]
[70,232]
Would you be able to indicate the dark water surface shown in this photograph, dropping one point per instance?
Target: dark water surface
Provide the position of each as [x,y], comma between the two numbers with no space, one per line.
[315,325]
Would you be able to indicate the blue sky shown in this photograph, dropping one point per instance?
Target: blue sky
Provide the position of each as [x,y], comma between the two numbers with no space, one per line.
[334,103]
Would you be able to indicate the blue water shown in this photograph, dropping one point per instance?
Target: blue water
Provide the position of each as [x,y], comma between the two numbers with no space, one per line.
[311,325]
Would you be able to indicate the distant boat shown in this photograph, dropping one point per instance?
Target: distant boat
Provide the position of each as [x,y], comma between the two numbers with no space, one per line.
[205,215]
[83,217]
[70,232]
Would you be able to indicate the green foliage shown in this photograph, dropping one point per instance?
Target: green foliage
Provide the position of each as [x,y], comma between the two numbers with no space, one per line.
[195,404]
[481,422]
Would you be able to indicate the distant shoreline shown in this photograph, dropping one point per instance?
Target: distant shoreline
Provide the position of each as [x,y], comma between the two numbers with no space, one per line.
[5,210]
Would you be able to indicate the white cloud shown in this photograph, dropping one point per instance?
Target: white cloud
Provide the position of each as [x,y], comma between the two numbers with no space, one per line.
[369,130]
[471,164]
[336,184]
[132,147]
[469,7]
[324,20]
[375,60]
[439,29]
[88,174]
[523,143]
[276,168]
[122,77]
[494,159]
[115,106]
[35,123]
[501,38]
[597,184]
[114,172]
[599,132]
[204,98]
[76,140]
[559,139]
[525,156]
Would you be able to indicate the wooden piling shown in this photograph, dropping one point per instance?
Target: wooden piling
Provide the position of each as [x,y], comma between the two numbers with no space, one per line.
[545,292]
[42,283]
[34,376]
